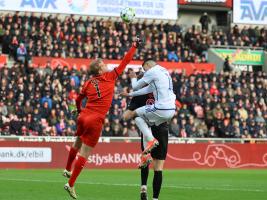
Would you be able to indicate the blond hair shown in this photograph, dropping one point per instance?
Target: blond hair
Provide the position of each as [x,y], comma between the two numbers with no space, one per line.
[95,66]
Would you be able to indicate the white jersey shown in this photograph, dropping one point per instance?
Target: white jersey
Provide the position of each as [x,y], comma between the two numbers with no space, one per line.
[160,83]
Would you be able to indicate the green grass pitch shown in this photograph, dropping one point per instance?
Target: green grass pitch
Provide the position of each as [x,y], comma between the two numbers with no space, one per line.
[124,184]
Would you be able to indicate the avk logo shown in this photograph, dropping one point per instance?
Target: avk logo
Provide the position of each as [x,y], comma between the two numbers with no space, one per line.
[39,4]
[254,10]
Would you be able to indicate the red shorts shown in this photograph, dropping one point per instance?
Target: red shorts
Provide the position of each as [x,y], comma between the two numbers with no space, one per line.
[89,127]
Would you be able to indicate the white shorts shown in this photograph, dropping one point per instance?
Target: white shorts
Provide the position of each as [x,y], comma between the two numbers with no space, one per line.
[154,116]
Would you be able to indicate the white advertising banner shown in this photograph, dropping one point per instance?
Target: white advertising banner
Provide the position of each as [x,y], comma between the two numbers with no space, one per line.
[250,12]
[25,154]
[155,9]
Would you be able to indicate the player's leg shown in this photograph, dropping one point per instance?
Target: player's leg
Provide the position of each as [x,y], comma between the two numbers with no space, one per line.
[157,117]
[159,155]
[143,118]
[144,176]
[90,137]
[72,155]
[75,147]
[142,122]
[78,166]
[158,175]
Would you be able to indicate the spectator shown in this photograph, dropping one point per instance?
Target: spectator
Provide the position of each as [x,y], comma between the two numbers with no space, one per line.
[132,132]
[205,21]
[174,127]
[217,112]
[202,129]
[3,109]
[47,99]
[226,65]
[107,131]
[21,53]
[61,127]
[243,113]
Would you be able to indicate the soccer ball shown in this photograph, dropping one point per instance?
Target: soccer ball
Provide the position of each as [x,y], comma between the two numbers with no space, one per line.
[127,15]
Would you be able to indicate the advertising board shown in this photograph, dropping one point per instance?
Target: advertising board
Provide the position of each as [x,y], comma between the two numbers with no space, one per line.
[84,63]
[125,155]
[222,3]
[250,12]
[155,9]
[242,57]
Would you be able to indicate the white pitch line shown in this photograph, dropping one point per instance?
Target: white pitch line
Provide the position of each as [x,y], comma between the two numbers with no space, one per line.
[192,187]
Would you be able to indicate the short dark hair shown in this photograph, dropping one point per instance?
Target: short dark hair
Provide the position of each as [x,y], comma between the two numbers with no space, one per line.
[146,60]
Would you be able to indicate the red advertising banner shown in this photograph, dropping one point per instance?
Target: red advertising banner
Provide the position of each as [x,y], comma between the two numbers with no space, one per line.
[124,155]
[3,60]
[79,63]
[224,3]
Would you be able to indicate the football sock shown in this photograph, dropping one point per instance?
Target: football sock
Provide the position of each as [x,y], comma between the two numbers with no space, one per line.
[79,164]
[144,175]
[157,181]
[144,128]
[72,155]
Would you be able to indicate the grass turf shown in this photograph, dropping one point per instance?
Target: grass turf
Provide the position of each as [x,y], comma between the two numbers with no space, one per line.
[124,184]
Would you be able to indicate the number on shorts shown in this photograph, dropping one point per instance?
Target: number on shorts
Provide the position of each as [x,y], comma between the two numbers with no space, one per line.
[95,83]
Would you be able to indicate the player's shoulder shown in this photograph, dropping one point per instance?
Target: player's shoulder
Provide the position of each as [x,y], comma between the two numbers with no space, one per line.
[160,68]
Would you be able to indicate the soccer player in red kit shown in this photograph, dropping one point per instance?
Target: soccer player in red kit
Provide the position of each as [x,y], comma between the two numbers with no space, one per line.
[99,91]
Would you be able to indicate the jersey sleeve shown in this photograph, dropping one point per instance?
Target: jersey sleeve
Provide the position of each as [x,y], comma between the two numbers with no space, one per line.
[146,79]
[149,76]
[142,91]
[81,96]
[138,84]
[126,60]
[84,88]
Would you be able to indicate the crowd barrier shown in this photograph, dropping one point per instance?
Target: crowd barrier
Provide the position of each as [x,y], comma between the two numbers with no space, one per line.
[124,153]
[79,63]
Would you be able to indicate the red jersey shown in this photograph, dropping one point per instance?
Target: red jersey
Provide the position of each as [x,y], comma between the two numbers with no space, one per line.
[100,89]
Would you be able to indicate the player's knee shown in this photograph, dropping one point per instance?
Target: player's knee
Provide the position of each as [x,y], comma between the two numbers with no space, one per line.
[158,165]
[77,144]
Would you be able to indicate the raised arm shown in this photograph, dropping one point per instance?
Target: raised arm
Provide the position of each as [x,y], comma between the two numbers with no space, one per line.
[145,90]
[126,60]
[136,85]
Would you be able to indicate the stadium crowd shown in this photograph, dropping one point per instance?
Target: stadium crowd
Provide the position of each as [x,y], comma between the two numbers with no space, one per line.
[39,101]
[25,35]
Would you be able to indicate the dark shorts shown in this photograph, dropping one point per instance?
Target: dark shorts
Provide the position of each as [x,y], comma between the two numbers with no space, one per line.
[161,133]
